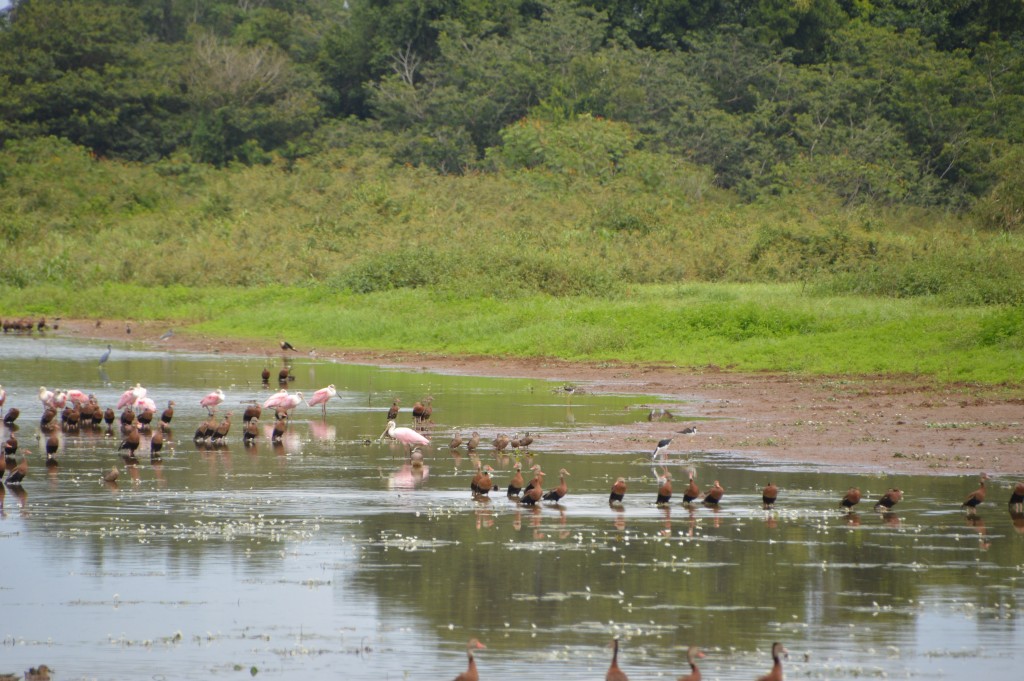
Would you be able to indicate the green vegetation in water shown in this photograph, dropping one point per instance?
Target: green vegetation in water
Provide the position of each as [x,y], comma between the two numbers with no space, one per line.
[745,327]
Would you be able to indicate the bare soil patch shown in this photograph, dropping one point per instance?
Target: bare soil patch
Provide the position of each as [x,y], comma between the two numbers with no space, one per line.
[881,424]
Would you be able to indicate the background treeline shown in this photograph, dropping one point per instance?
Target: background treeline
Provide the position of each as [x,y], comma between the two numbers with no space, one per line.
[894,102]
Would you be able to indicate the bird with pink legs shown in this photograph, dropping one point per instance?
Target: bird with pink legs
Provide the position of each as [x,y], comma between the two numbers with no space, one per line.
[407,436]
[321,397]
[211,400]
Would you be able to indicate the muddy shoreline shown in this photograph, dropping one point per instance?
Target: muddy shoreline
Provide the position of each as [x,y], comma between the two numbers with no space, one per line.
[876,424]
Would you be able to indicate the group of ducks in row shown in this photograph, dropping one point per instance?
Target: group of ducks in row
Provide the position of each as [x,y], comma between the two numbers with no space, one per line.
[615,672]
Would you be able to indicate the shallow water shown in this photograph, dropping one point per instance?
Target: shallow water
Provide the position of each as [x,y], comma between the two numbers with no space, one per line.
[329,554]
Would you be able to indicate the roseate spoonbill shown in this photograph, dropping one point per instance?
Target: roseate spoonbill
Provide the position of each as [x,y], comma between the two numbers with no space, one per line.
[289,402]
[769,494]
[145,404]
[1017,497]
[77,397]
[407,436]
[212,400]
[555,494]
[891,497]
[662,445]
[515,485]
[321,396]
[105,356]
[618,491]
[45,396]
[692,653]
[714,494]
[850,499]
[131,396]
[276,400]
[664,489]
[393,411]
[776,673]
[977,496]
[471,674]
[3,396]
[614,673]
[285,345]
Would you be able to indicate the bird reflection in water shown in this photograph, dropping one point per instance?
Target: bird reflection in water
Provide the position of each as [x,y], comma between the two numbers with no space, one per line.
[891,519]
[322,431]
[484,517]
[619,519]
[408,476]
[666,523]
[1017,518]
[978,523]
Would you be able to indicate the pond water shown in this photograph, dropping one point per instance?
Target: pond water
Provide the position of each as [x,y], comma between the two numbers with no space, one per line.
[328,554]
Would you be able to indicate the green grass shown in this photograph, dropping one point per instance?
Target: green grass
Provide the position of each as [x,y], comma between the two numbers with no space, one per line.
[743,327]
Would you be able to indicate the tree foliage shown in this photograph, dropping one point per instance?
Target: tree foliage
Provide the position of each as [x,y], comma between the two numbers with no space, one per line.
[883,101]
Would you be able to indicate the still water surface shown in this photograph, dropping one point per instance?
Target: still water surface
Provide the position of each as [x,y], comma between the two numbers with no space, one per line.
[330,556]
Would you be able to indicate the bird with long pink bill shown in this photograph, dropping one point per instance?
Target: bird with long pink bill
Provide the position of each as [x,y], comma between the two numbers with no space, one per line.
[407,436]
[211,400]
[321,397]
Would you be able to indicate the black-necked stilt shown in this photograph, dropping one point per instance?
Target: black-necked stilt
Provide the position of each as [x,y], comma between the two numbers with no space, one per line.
[662,444]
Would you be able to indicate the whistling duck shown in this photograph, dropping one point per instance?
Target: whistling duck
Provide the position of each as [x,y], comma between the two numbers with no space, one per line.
[614,673]
[471,674]
[46,420]
[662,445]
[252,430]
[407,436]
[473,442]
[417,411]
[485,484]
[501,441]
[692,653]
[145,419]
[127,418]
[714,494]
[205,429]
[108,417]
[40,673]
[168,413]
[112,475]
[51,462]
[618,491]
[10,446]
[664,488]
[692,491]
[131,440]
[393,410]
[977,496]
[156,443]
[1017,497]
[52,444]
[285,345]
[280,425]
[769,494]
[18,472]
[422,411]
[515,485]
[456,441]
[222,429]
[850,499]
[11,416]
[776,673]
[474,484]
[265,375]
[891,497]
[253,411]
[557,493]
[535,490]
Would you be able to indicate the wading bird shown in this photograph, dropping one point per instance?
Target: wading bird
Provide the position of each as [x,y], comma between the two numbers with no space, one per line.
[285,345]
[692,491]
[212,400]
[614,673]
[321,396]
[662,445]
[618,491]
[515,485]
[776,673]
[976,497]
[664,488]
[768,495]
[555,494]
[393,410]
[850,499]
[714,494]
[892,497]
[105,356]
[471,674]
[407,436]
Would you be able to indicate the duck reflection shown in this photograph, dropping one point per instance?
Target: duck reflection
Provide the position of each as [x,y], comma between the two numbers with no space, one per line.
[978,523]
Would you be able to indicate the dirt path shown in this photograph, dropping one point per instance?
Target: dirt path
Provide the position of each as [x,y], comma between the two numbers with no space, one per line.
[881,424]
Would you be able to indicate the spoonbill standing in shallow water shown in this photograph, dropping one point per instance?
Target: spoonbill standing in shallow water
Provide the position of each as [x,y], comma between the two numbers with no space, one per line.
[212,400]
[321,396]
[407,436]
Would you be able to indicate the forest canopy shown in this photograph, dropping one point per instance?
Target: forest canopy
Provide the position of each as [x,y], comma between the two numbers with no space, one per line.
[891,102]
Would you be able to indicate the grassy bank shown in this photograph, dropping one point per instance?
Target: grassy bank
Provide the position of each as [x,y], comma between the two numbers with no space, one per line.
[745,327]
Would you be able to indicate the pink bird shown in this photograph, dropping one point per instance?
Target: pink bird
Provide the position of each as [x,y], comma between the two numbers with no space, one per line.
[45,396]
[276,400]
[144,403]
[290,402]
[78,397]
[131,396]
[212,400]
[60,399]
[406,436]
[3,396]
[321,396]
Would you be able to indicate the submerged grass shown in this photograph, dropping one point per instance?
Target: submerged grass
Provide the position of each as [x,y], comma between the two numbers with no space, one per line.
[748,327]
